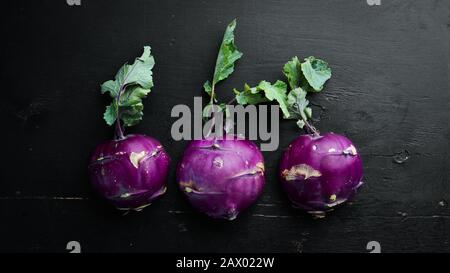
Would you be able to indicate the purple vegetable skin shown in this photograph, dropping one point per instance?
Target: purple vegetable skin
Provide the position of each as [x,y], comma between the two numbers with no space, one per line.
[319,172]
[221,177]
[129,172]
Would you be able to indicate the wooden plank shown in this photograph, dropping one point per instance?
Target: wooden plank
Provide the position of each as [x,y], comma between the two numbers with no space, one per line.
[389,93]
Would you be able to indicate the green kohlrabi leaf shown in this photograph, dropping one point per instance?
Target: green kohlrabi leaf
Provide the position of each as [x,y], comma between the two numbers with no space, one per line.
[298,106]
[140,72]
[207,87]
[301,123]
[249,96]
[133,95]
[309,76]
[132,114]
[228,54]
[110,86]
[132,83]
[110,114]
[293,72]
[265,91]
[315,72]
[277,92]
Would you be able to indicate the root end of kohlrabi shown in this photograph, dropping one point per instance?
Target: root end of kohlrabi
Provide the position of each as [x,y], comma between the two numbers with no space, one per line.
[335,202]
[317,214]
[232,217]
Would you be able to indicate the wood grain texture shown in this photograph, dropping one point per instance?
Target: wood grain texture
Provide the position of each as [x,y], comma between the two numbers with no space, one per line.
[389,92]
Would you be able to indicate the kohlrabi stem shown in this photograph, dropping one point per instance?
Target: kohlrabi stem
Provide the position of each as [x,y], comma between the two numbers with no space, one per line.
[311,129]
[118,133]
[213,125]
[231,101]
[211,101]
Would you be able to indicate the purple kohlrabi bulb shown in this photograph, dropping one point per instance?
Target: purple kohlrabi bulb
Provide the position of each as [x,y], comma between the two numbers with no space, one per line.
[320,172]
[221,177]
[129,172]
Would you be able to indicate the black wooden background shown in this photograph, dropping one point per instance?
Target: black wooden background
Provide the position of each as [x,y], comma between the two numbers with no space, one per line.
[389,94]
